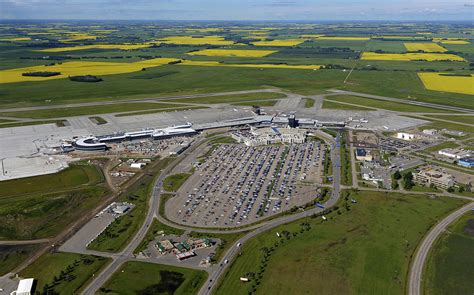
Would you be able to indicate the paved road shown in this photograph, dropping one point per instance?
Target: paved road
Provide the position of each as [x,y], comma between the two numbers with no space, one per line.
[405,101]
[25,242]
[214,276]
[416,271]
[125,254]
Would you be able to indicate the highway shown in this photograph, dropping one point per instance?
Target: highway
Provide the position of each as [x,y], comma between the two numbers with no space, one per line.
[416,271]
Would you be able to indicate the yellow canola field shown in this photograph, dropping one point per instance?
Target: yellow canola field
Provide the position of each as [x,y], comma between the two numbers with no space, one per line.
[454,42]
[189,40]
[426,47]
[451,41]
[233,52]
[311,36]
[273,66]
[77,68]
[16,39]
[78,37]
[448,83]
[97,46]
[344,38]
[411,56]
[287,42]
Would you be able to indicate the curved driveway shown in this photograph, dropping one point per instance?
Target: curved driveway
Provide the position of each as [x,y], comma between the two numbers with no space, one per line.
[416,270]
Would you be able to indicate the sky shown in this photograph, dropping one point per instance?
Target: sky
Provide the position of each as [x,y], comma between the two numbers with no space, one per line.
[247,10]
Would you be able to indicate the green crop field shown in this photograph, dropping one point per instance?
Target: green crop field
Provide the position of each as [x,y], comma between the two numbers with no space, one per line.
[63,273]
[362,248]
[449,268]
[148,278]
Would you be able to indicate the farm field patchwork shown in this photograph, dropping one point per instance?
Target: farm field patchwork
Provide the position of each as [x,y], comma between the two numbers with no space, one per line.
[96,46]
[343,38]
[426,47]
[274,66]
[233,52]
[283,42]
[448,82]
[411,56]
[75,68]
[364,248]
[190,40]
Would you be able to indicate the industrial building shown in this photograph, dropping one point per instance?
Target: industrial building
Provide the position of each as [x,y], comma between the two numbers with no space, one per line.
[363,155]
[405,136]
[430,176]
[467,162]
[25,287]
[455,153]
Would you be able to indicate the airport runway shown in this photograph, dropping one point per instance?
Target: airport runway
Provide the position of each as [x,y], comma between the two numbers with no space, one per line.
[416,271]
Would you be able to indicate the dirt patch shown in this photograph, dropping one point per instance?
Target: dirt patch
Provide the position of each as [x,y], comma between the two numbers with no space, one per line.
[469,228]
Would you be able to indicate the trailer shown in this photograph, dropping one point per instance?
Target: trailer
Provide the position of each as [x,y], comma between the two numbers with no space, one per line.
[320,205]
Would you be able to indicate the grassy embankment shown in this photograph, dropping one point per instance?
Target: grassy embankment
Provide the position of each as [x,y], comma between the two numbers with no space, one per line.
[122,229]
[362,248]
[147,278]
[449,269]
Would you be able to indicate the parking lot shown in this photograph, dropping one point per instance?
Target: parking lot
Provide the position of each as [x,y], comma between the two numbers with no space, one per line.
[238,184]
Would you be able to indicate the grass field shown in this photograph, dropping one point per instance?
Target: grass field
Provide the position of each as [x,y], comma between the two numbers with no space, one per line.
[73,177]
[450,126]
[91,110]
[154,111]
[12,256]
[363,248]
[308,102]
[426,47]
[444,145]
[231,98]
[233,52]
[381,104]
[327,104]
[122,229]
[346,164]
[448,82]
[449,267]
[411,56]
[78,68]
[460,119]
[173,182]
[63,273]
[147,278]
